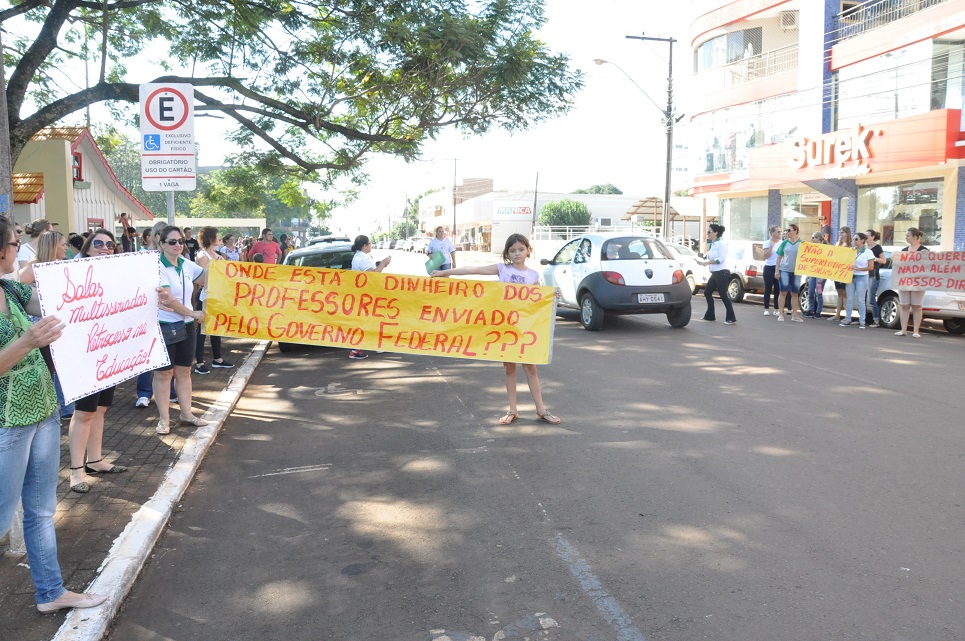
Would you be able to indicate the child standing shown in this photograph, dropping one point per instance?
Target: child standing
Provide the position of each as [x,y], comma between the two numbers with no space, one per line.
[513,270]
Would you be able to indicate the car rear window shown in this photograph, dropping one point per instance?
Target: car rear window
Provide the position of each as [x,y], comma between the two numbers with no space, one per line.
[327,260]
[635,249]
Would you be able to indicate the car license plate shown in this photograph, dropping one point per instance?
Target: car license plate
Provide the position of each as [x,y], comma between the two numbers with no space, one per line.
[649,298]
[961,304]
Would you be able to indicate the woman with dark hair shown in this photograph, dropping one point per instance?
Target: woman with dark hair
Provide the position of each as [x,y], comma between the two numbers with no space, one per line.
[178,275]
[790,282]
[911,301]
[864,263]
[719,275]
[86,431]
[771,283]
[208,253]
[844,240]
[30,432]
[363,262]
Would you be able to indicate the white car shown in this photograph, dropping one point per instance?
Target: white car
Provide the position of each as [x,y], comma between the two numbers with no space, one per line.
[696,274]
[617,273]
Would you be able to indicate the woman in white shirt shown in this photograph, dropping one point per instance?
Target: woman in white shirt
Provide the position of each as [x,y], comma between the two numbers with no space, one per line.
[719,275]
[363,262]
[771,282]
[864,262]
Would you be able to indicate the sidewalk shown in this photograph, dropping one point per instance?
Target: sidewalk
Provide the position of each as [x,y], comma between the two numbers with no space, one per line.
[89,524]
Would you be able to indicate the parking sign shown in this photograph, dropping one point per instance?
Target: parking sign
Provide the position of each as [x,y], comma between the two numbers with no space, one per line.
[168,161]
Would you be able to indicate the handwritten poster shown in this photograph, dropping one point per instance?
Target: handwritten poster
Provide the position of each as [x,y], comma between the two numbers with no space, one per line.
[371,310]
[919,271]
[826,261]
[109,304]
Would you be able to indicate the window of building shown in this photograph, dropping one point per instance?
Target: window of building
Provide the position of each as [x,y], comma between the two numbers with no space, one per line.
[744,218]
[77,166]
[728,48]
[892,209]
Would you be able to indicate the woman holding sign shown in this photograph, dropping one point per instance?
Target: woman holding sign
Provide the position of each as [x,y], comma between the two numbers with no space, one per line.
[513,270]
[790,282]
[178,275]
[911,301]
[864,262]
[30,432]
[363,262]
[86,431]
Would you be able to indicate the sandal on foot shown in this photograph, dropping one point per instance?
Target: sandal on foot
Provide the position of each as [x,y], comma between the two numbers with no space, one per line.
[509,419]
[916,335]
[83,487]
[902,333]
[163,427]
[546,417]
[113,469]
[193,420]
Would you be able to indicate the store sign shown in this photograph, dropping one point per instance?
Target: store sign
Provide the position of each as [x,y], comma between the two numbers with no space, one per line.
[836,150]
[513,212]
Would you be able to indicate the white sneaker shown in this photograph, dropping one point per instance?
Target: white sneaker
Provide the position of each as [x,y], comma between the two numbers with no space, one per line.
[767,313]
[142,401]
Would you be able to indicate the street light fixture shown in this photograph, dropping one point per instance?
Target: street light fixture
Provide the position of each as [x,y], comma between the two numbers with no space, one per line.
[669,120]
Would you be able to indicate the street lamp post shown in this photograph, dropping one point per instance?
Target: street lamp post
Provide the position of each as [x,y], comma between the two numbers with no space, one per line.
[670,119]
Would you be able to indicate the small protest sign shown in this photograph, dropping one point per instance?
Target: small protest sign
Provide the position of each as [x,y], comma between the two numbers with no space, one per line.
[826,261]
[389,312]
[920,271]
[109,304]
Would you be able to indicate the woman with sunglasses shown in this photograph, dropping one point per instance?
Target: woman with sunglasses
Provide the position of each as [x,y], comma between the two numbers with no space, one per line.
[30,432]
[790,282]
[857,289]
[178,276]
[86,432]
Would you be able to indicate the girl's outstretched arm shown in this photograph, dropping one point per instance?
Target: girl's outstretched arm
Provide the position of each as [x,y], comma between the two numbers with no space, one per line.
[483,270]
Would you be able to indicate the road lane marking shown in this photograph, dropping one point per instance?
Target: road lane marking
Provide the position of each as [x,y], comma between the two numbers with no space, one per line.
[605,604]
[294,470]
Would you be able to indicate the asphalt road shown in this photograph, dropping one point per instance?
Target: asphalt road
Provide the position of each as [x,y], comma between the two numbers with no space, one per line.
[760,481]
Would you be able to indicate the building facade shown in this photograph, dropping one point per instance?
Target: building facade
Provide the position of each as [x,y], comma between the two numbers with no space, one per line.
[831,113]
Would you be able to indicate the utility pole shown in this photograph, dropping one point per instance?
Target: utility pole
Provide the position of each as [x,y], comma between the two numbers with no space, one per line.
[670,119]
[455,165]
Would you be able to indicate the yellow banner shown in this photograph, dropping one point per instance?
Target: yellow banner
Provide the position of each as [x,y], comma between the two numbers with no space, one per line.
[826,261]
[390,312]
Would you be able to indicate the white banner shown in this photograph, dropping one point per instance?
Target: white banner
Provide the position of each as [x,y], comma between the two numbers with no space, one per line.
[921,271]
[110,305]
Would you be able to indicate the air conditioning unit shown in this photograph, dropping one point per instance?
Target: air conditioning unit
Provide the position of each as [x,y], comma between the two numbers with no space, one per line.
[789,20]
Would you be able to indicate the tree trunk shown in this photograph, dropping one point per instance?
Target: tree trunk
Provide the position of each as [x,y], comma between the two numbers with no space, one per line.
[6,165]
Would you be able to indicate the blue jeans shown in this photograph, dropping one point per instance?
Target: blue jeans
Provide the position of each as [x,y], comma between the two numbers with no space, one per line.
[770,284]
[873,297]
[815,300]
[65,410]
[856,289]
[29,460]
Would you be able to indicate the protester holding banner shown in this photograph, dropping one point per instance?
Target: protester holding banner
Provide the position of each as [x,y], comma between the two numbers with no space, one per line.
[911,301]
[857,289]
[145,381]
[790,282]
[178,276]
[209,252]
[363,262]
[443,243]
[30,432]
[86,431]
[512,270]
[719,275]
[844,240]
[880,259]
[771,282]
[816,285]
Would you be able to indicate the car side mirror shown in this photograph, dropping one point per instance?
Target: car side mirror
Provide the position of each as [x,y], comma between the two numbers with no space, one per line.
[544,261]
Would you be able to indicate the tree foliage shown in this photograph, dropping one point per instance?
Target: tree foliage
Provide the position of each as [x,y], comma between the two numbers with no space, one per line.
[312,85]
[608,188]
[565,213]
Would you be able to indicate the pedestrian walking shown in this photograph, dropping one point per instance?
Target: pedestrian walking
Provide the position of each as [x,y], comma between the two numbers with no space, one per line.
[86,432]
[911,301]
[857,289]
[790,282]
[771,283]
[719,275]
[30,432]
[513,270]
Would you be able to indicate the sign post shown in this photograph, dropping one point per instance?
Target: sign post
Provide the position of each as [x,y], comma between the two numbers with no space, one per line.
[168,160]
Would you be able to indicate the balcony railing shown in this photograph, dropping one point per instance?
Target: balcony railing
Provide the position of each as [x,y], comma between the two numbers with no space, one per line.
[766,64]
[872,15]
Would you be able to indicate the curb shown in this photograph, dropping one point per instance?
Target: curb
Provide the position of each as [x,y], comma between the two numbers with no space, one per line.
[131,548]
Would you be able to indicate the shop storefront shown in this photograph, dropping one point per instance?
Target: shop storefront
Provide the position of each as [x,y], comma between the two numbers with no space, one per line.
[889,176]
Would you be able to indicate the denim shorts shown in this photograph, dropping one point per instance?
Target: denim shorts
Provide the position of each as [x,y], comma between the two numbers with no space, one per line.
[790,282]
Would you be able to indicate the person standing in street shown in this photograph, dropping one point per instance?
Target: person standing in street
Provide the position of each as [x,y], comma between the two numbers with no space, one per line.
[815,291]
[30,432]
[771,283]
[911,302]
[844,240]
[208,254]
[267,247]
[191,245]
[880,259]
[719,275]
[28,249]
[790,282]
[363,262]
[443,243]
[864,262]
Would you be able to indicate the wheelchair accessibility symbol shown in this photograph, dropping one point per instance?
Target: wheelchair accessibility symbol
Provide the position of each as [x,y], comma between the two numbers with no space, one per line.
[152,142]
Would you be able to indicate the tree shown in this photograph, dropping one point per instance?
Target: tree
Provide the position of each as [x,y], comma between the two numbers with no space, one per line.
[608,188]
[314,85]
[565,213]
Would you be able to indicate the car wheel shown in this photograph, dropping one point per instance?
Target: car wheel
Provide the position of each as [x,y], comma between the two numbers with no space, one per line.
[890,316]
[805,303]
[692,282]
[954,325]
[591,314]
[286,347]
[735,290]
[679,316]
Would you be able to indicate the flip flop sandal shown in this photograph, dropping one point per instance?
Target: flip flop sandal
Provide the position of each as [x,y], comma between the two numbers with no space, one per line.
[509,418]
[549,418]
